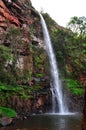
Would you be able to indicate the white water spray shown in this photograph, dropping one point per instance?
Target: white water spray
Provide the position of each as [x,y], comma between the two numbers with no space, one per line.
[56,89]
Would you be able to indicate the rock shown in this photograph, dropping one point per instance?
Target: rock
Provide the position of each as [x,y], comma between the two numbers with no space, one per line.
[6,121]
[84,113]
[36,79]
[13,13]
[6,15]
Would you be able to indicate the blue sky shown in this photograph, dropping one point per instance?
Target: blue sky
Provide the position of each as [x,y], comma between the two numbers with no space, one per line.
[61,10]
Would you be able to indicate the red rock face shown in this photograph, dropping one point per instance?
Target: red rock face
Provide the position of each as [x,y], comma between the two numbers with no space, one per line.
[13,13]
[6,16]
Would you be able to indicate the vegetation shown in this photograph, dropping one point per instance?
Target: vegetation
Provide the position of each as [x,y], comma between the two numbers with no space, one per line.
[5,59]
[74,86]
[22,91]
[9,56]
[78,25]
[78,47]
[15,82]
[70,47]
[8,112]
[39,60]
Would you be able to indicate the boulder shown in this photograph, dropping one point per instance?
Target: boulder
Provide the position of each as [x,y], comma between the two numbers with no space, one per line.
[6,121]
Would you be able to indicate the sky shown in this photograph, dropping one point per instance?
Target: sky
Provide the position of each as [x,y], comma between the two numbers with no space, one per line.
[61,10]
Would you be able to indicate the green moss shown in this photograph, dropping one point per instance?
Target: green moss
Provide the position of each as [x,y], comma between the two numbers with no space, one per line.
[4,111]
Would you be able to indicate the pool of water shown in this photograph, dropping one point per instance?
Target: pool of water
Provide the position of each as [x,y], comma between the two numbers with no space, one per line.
[48,122]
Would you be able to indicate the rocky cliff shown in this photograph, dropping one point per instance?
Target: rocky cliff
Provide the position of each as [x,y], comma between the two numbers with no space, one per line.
[24,62]
[20,30]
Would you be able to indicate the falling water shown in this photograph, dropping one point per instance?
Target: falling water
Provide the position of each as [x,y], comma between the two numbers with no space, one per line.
[56,89]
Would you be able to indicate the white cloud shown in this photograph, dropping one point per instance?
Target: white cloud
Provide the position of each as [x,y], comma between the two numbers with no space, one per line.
[61,10]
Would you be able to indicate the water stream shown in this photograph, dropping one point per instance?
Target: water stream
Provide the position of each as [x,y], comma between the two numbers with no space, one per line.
[56,88]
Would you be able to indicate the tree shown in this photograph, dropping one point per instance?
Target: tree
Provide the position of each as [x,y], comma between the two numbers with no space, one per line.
[78,25]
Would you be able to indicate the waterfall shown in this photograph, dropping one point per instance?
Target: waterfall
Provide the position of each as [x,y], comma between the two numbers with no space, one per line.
[56,88]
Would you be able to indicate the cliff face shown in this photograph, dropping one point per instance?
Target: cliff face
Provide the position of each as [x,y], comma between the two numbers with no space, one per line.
[20,30]
[14,13]
[23,61]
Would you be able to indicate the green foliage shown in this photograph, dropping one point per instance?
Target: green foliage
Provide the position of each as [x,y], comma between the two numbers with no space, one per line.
[77,91]
[27,76]
[6,58]
[78,25]
[34,88]
[5,54]
[39,75]
[7,77]
[24,96]
[22,91]
[13,36]
[4,111]
[14,31]
[31,30]
[73,85]
[48,20]
[77,44]
[39,61]
[4,87]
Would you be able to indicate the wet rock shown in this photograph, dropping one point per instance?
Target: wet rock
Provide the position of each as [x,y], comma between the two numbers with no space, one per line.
[6,121]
